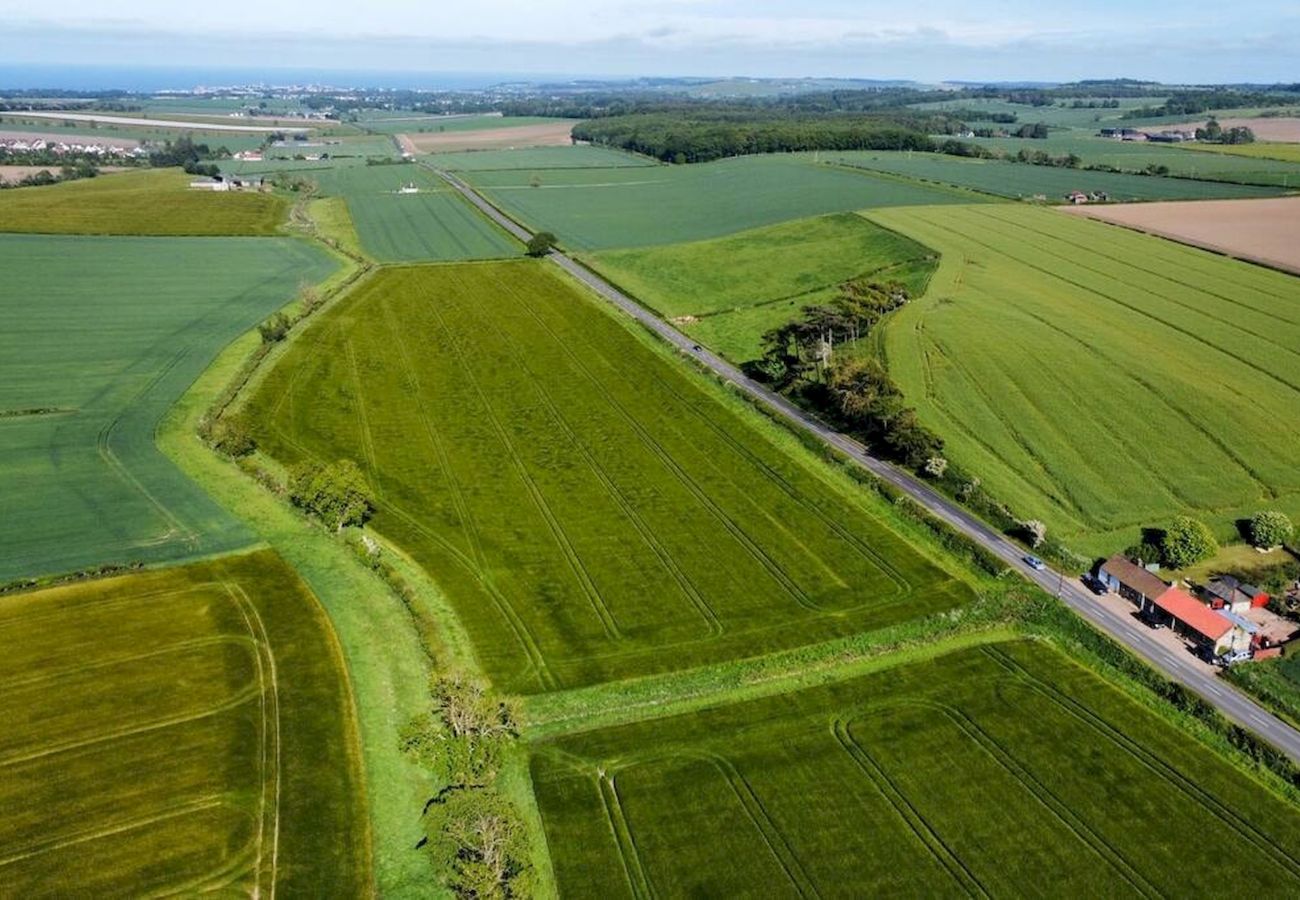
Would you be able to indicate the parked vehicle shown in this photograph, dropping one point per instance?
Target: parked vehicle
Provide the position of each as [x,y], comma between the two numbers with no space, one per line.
[1095,584]
[1232,657]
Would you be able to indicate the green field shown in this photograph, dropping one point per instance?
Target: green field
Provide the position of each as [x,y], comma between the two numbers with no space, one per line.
[1002,770]
[92,131]
[1021,180]
[1053,115]
[414,123]
[148,202]
[180,731]
[101,336]
[1099,379]
[579,156]
[435,225]
[728,291]
[1258,151]
[584,503]
[1269,167]
[601,209]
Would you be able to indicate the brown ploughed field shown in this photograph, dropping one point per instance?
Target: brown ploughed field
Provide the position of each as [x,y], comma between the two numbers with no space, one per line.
[548,134]
[1279,130]
[1262,231]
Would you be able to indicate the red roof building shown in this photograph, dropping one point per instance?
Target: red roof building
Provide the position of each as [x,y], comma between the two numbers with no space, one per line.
[1194,615]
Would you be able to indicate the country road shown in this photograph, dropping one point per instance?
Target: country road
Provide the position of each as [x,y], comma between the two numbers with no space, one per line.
[1124,629]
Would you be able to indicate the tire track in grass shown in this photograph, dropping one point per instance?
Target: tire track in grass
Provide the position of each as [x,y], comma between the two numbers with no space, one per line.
[1146,758]
[864,550]
[629,510]
[1137,310]
[363,424]
[558,534]
[757,553]
[628,853]
[921,829]
[1228,322]
[477,565]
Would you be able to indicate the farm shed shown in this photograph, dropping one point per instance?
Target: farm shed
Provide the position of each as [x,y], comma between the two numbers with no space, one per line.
[1244,631]
[1130,580]
[1191,619]
[1227,592]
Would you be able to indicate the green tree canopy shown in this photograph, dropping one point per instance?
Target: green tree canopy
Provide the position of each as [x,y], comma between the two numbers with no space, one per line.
[541,243]
[1187,542]
[1270,528]
[336,493]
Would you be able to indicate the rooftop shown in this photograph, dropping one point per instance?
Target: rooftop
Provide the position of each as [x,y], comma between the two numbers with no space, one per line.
[1194,614]
[1131,575]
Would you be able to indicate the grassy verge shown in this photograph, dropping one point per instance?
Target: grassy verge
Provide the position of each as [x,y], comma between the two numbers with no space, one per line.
[388,685]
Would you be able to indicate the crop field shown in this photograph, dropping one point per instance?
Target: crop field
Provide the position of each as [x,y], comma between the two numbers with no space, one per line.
[554,133]
[1251,168]
[590,510]
[180,731]
[101,336]
[414,123]
[1257,151]
[725,290]
[1099,379]
[1020,180]
[579,156]
[101,131]
[435,224]
[602,209]
[1053,116]
[149,202]
[1000,770]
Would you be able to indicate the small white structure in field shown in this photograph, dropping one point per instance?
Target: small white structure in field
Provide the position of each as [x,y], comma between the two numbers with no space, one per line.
[210,185]
[409,188]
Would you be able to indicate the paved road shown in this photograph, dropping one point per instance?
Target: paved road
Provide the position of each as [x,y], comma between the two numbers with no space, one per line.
[1124,628]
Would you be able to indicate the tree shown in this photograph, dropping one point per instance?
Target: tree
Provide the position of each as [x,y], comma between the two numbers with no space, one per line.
[1270,528]
[1034,530]
[935,466]
[274,329]
[233,437]
[479,843]
[336,493]
[541,243]
[1187,542]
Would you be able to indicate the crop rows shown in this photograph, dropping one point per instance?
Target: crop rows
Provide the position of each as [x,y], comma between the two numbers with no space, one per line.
[573,493]
[922,779]
[1099,379]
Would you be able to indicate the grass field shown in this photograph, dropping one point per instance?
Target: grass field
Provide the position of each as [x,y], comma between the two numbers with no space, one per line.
[1020,180]
[1257,151]
[414,123]
[1053,116]
[585,505]
[179,731]
[101,336]
[581,156]
[1250,168]
[91,132]
[727,289]
[601,209]
[1002,770]
[149,202]
[435,225]
[1099,379]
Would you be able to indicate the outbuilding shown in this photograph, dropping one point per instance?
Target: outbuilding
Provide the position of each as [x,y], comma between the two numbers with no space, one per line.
[1227,592]
[1190,618]
[1130,580]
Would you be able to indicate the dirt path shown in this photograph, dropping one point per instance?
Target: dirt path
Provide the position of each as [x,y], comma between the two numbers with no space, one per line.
[1262,231]
[405,144]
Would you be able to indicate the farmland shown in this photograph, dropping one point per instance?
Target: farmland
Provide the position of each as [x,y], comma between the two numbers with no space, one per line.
[424,124]
[123,132]
[149,202]
[581,156]
[1259,230]
[434,224]
[1260,150]
[178,731]
[1021,180]
[101,336]
[601,209]
[727,289]
[1099,379]
[1001,770]
[1270,168]
[554,133]
[583,503]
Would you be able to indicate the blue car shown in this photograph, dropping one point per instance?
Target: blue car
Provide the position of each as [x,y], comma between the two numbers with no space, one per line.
[1035,563]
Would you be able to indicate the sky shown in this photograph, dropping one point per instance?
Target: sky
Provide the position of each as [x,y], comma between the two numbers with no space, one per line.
[1189,41]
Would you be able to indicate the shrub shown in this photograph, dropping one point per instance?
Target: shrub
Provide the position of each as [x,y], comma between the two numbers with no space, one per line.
[274,329]
[233,437]
[1034,531]
[1270,528]
[1187,542]
[336,493]
[935,466]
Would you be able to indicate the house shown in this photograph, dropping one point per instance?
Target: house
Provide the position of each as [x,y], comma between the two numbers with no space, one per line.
[1130,580]
[1227,592]
[1077,197]
[1209,631]
[1244,634]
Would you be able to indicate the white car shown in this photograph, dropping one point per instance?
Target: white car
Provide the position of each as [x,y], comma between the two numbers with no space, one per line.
[1035,563]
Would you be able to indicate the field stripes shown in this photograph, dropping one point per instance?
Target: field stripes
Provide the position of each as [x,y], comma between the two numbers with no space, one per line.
[925,779]
[1139,379]
[553,491]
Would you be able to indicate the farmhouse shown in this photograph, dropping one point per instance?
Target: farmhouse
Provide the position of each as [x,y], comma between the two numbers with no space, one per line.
[1130,580]
[1227,592]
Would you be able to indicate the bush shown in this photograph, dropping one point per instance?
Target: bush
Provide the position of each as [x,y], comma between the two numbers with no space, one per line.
[336,493]
[1187,542]
[233,437]
[1270,528]
[274,329]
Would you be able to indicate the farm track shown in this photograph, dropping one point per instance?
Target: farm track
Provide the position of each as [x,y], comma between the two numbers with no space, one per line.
[1232,703]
